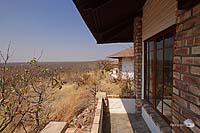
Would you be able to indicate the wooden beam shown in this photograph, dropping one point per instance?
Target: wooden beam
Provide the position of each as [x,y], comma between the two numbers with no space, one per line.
[123,32]
[187,4]
[109,20]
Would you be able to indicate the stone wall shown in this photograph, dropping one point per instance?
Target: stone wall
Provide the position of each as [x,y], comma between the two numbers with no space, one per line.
[186,70]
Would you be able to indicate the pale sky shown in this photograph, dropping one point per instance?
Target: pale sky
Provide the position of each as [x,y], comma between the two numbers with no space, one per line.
[54,26]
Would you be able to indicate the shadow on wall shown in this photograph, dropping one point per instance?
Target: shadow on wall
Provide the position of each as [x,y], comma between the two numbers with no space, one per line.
[106,127]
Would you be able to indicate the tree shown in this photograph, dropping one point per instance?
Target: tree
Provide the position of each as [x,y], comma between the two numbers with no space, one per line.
[105,65]
[24,95]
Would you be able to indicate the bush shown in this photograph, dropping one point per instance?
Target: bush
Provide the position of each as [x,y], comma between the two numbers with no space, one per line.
[24,95]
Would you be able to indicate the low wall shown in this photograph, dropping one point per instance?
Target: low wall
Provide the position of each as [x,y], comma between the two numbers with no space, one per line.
[61,127]
[98,118]
[55,127]
[120,96]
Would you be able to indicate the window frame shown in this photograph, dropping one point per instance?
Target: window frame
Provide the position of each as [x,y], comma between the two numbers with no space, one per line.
[147,65]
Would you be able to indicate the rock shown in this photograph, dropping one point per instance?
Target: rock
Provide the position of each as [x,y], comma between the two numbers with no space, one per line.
[83,127]
[84,120]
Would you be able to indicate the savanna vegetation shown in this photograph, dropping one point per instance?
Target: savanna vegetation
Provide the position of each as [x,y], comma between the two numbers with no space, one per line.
[34,93]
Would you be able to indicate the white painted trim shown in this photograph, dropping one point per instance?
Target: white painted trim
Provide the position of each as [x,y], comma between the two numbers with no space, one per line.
[143,70]
[152,126]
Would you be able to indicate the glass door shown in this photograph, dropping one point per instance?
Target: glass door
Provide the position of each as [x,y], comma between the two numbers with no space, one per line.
[158,72]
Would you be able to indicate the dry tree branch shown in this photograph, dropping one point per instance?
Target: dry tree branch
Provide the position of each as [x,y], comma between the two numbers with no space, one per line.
[3,78]
[5,58]
[41,53]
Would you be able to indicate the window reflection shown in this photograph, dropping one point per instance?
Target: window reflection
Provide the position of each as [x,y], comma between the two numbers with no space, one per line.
[159,73]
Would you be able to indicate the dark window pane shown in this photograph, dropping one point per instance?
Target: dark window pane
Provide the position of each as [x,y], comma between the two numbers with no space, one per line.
[168,76]
[151,57]
[167,85]
[159,58]
[159,87]
[151,97]
[159,73]
[147,72]
[168,57]
[151,45]
[146,88]
[169,40]
[167,92]
[159,43]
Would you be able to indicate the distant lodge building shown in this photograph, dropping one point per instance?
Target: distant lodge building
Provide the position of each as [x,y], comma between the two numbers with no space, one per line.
[166,37]
[125,63]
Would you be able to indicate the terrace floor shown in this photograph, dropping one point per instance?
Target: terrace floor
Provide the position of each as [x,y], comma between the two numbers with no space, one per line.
[120,117]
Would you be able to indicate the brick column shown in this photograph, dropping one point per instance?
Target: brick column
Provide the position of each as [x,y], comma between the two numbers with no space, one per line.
[120,64]
[186,70]
[138,62]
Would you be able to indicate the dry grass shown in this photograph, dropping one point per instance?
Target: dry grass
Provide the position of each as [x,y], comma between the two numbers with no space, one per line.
[72,100]
[111,88]
[69,102]
[118,87]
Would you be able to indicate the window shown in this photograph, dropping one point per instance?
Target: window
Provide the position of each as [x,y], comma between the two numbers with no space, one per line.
[158,72]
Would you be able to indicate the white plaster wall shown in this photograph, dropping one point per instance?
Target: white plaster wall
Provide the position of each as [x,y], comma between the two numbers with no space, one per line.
[127,65]
[127,68]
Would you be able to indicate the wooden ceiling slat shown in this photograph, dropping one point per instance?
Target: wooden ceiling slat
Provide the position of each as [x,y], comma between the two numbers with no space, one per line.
[107,19]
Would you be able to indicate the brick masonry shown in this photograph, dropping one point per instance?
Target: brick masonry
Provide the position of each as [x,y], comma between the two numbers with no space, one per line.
[120,64]
[186,70]
[138,62]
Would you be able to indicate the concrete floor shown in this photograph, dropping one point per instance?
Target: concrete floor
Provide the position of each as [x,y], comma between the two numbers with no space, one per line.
[121,117]
[121,105]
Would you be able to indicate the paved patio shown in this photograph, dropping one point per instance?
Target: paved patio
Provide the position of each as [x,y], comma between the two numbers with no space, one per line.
[121,117]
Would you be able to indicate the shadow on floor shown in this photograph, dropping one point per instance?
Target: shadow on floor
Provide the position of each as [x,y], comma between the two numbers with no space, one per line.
[137,122]
[106,118]
[130,121]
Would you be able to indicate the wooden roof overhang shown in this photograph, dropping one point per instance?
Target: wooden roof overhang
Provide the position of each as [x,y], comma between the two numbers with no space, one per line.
[111,21]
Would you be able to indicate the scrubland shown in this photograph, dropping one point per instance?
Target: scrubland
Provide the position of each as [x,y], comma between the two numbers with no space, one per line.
[32,94]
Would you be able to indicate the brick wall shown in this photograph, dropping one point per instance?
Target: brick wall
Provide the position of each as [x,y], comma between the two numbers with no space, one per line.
[186,70]
[120,64]
[138,62]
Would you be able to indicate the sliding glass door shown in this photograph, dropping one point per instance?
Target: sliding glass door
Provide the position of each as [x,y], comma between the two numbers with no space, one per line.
[158,72]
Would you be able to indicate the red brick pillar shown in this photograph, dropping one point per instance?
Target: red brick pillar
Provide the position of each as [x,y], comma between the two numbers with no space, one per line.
[186,70]
[120,64]
[138,62]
